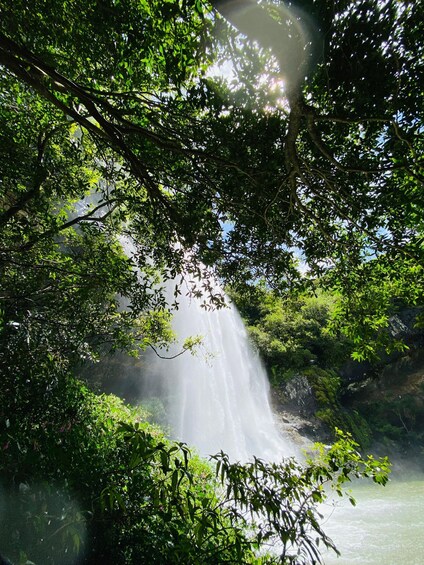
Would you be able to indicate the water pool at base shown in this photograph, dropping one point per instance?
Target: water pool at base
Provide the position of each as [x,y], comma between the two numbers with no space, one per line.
[386,527]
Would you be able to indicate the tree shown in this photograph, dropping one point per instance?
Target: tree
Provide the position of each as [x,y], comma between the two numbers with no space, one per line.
[348,183]
[336,171]
[111,130]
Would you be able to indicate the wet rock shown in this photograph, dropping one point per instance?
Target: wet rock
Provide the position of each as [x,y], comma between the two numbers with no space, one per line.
[298,395]
[295,406]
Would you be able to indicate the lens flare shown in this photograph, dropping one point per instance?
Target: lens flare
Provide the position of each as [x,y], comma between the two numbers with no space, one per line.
[286,31]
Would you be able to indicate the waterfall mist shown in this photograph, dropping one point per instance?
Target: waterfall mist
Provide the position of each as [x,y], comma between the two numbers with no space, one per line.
[219,397]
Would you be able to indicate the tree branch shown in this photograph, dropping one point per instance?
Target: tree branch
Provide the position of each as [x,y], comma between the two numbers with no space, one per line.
[184,350]
[39,175]
[113,204]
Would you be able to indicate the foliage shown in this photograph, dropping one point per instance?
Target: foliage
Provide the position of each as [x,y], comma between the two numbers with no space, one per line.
[273,494]
[121,163]
[85,479]
[371,295]
[292,334]
[397,420]
[331,165]
[328,390]
[94,480]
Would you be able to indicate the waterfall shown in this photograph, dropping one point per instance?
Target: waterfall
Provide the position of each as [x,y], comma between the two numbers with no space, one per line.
[218,398]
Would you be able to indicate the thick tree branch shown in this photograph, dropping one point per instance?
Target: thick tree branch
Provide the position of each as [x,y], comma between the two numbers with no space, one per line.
[39,178]
[326,152]
[89,217]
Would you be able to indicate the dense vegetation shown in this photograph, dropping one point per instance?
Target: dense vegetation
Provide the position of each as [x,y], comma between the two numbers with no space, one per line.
[85,479]
[112,130]
[299,338]
[293,333]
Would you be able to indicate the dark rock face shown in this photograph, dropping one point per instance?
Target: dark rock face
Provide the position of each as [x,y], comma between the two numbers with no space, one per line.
[402,327]
[397,380]
[389,395]
[295,404]
[298,396]
[393,406]
[394,373]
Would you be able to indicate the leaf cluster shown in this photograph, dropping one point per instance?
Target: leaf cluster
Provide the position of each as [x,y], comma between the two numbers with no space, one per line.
[292,333]
[84,477]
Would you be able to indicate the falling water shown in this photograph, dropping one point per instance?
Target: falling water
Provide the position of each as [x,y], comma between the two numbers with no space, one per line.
[218,398]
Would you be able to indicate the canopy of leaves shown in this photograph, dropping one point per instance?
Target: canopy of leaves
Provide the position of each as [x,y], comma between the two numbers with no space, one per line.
[334,170]
[113,135]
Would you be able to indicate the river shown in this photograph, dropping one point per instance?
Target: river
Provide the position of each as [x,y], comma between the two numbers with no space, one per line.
[385,528]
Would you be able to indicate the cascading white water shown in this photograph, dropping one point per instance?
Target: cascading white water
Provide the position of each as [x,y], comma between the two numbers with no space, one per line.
[219,398]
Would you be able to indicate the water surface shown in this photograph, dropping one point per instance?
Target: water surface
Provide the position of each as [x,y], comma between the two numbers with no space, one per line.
[385,528]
